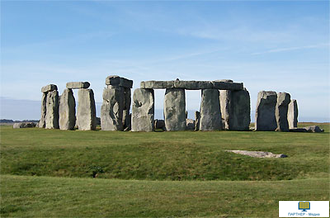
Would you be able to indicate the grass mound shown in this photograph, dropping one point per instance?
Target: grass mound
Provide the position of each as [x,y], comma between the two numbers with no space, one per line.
[162,155]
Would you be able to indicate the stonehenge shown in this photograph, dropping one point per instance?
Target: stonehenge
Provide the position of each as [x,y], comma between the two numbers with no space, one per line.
[225,105]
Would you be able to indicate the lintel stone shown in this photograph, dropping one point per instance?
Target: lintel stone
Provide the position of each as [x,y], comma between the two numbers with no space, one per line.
[191,85]
[77,85]
[118,81]
[48,88]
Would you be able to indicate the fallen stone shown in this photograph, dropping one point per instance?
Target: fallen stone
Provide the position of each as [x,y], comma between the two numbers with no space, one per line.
[313,129]
[210,115]
[77,85]
[112,109]
[67,110]
[265,111]
[197,120]
[86,113]
[258,154]
[293,114]
[175,109]
[143,110]
[281,111]
[52,113]
[42,121]
[160,124]
[190,124]
[191,85]
[240,110]
[49,88]
[24,125]
[117,81]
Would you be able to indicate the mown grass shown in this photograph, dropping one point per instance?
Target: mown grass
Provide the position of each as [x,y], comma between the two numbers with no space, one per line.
[163,155]
[30,196]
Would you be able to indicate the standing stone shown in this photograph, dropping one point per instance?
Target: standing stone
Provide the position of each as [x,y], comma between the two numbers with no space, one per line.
[240,110]
[197,119]
[143,110]
[225,105]
[265,111]
[126,107]
[52,102]
[281,111]
[67,110]
[112,109]
[86,113]
[293,114]
[210,115]
[42,121]
[175,110]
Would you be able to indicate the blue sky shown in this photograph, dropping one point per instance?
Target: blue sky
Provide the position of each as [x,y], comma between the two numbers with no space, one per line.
[267,45]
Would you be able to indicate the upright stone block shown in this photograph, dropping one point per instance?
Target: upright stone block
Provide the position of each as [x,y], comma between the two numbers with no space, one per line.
[175,109]
[210,115]
[42,121]
[112,109]
[86,113]
[293,114]
[225,105]
[265,111]
[52,103]
[197,119]
[143,110]
[281,111]
[67,110]
[126,108]
[240,110]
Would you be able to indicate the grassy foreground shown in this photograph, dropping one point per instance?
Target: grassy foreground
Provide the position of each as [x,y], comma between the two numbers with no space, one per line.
[159,173]
[67,197]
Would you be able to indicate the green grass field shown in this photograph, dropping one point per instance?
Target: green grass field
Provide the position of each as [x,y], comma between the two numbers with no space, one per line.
[98,173]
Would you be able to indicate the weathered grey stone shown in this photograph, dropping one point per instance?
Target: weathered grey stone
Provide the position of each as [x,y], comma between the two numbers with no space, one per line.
[52,103]
[117,81]
[67,110]
[49,88]
[293,114]
[225,106]
[313,129]
[190,124]
[240,110]
[265,111]
[86,113]
[77,85]
[259,154]
[126,108]
[281,111]
[160,124]
[42,121]
[197,120]
[191,85]
[24,125]
[175,109]
[143,110]
[112,109]
[210,114]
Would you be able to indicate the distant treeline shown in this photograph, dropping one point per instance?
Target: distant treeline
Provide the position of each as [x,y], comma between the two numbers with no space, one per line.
[17,121]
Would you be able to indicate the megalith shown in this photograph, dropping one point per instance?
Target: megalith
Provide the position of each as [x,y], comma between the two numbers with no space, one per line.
[115,110]
[293,114]
[86,113]
[225,105]
[175,110]
[239,116]
[67,110]
[210,114]
[112,109]
[197,119]
[143,110]
[265,119]
[52,103]
[281,111]
[42,121]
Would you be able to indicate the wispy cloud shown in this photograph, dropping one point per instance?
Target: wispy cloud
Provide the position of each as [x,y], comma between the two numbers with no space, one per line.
[323,45]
